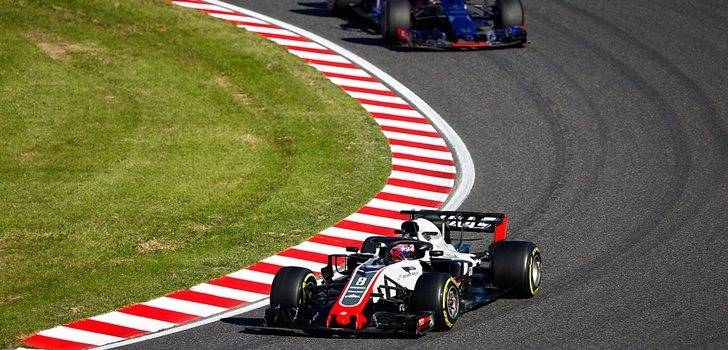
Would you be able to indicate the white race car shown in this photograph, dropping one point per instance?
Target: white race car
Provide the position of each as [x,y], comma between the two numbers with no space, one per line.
[412,282]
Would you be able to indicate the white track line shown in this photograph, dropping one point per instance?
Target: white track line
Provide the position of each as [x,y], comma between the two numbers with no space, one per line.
[226,292]
[435,141]
[375,220]
[288,261]
[266,30]
[319,56]
[296,43]
[320,248]
[198,6]
[421,152]
[132,321]
[184,306]
[79,336]
[423,165]
[380,98]
[394,206]
[405,125]
[354,72]
[394,111]
[251,275]
[236,18]
[346,233]
[359,84]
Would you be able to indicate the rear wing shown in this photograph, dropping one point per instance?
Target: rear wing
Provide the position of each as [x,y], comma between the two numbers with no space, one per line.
[496,223]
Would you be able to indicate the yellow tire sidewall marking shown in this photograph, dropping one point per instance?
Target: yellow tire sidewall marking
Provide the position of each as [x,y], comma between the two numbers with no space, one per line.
[530,271]
[303,285]
[446,317]
[306,278]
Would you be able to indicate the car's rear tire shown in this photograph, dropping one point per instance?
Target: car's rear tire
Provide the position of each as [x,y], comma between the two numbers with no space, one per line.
[340,7]
[508,13]
[396,14]
[292,286]
[437,292]
[516,267]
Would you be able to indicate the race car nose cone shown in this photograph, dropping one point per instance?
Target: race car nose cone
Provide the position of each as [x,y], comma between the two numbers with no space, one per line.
[343,319]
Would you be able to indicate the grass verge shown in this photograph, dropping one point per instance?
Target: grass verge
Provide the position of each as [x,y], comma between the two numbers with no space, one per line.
[146,148]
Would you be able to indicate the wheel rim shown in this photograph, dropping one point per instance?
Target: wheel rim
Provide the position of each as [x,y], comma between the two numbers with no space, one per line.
[452,302]
[536,271]
[307,293]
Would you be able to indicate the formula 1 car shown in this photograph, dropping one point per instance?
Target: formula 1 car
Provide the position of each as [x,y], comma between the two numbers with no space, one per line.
[441,23]
[410,283]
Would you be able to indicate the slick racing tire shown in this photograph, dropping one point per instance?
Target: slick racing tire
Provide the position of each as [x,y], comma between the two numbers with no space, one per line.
[508,13]
[292,286]
[396,14]
[437,292]
[516,267]
[340,7]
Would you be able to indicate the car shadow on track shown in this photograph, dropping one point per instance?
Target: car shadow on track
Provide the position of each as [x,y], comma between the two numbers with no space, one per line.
[244,321]
[256,326]
[318,9]
[353,23]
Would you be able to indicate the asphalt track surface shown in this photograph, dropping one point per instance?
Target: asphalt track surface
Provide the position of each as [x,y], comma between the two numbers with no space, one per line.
[604,140]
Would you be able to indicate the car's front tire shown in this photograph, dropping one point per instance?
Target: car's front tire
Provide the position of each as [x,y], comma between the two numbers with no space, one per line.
[396,14]
[437,292]
[508,13]
[292,287]
[516,267]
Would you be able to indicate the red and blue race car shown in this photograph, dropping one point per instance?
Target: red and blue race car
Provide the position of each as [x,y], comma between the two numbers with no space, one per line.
[410,283]
[441,23]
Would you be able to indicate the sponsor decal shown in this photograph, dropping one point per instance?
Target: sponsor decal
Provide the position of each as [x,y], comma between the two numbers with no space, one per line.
[470,222]
[404,35]
[409,274]
[357,288]
[424,323]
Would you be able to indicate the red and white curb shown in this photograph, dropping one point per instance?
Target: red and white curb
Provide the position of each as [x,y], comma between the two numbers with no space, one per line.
[423,177]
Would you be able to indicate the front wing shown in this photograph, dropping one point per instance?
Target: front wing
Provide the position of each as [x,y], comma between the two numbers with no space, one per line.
[438,39]
[311,321]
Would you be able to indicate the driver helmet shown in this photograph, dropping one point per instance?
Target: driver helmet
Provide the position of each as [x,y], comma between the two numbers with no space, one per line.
[402,251]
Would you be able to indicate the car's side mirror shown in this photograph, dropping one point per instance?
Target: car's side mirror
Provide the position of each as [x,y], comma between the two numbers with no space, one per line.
[352,249]
[437,253]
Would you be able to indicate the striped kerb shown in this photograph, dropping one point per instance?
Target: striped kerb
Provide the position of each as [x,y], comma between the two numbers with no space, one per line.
[422,177]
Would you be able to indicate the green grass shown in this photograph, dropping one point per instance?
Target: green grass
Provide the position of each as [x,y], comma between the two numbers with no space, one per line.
[145,148]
